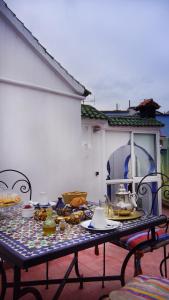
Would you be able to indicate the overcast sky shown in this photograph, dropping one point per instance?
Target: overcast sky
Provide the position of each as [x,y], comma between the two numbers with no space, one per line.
[118,49]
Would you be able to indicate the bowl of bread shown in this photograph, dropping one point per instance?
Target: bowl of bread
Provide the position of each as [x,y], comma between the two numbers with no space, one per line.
[69,196]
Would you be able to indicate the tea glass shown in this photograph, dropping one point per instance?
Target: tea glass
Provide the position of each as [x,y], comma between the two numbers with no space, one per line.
[43,199]
[107,207]
[99,218]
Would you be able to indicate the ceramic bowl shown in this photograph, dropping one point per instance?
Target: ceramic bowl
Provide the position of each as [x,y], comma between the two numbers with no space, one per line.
[27,212]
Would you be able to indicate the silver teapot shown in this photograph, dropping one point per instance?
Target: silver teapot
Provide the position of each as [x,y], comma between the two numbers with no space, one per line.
[125,200]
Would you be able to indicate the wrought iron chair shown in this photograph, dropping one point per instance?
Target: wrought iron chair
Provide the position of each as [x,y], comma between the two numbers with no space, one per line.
[14,180]
[136,244]
[11,179]
[143,286]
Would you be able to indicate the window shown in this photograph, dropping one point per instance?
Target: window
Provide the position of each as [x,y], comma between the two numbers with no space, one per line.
[145,154]
[135,157]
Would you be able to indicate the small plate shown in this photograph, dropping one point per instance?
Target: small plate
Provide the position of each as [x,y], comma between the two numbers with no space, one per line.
[111,225]
[51,203]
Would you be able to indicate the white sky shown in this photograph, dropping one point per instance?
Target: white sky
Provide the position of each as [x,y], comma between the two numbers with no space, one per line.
[119,49]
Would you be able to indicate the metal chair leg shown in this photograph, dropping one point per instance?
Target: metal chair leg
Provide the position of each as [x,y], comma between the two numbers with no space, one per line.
[47,274]
[77,270]
[3,280]
[104,263]
[164,262]
[134,250]
[137,263]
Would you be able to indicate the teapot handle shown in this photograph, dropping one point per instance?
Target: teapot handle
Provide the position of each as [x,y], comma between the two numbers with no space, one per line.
[133,198]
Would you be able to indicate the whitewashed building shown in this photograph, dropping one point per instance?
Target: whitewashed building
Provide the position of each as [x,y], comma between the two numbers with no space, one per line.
[118,150]
[40,112]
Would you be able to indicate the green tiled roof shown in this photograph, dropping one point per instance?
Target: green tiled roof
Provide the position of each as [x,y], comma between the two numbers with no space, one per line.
[88,111]
[134,121]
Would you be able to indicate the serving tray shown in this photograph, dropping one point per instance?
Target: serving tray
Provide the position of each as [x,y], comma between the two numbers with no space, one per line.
[133,215]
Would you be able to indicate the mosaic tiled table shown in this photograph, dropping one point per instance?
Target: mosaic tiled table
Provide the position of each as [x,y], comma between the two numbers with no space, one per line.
[23,245]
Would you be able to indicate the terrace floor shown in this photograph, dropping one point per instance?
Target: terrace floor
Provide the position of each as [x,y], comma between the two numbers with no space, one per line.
[90,264]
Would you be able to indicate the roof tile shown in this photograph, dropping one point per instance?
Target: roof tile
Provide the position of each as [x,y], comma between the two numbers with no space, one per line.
[88,111]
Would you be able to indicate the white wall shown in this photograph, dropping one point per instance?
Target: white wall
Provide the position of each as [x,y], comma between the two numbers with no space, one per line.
[40,136]
[40,131]
[93,160]
[21,63]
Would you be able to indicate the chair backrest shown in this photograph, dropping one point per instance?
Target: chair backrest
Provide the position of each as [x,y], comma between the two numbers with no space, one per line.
[148,191]
[11,179]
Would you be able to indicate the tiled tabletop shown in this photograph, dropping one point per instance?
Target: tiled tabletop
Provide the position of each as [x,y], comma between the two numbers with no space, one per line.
[24,236]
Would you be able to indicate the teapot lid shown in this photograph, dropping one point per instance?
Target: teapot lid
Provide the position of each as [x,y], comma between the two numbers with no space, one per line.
[122,190]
